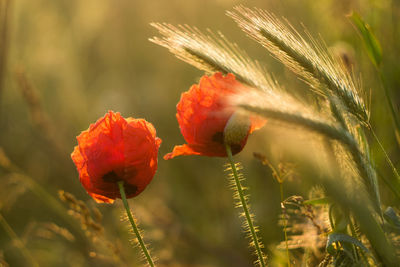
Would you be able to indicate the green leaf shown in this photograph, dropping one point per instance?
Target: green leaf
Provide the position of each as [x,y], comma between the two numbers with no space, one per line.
[343,238]
[371,43]
[391,217]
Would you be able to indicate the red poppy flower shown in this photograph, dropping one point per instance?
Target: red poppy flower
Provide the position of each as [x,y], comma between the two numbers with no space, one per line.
[203,112]
[116,149]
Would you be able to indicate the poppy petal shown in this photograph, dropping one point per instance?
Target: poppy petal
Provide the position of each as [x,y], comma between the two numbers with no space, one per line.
[182,150]
[256,123]
[101,199]
[116,149]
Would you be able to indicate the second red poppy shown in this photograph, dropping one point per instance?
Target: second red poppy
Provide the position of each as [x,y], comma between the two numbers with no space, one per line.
[203,112]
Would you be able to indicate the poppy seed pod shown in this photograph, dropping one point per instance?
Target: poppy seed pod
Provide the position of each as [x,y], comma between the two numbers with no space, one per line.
[237,128]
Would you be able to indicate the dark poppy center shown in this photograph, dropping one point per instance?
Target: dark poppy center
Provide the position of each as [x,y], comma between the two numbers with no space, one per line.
[112,177]
[218,137]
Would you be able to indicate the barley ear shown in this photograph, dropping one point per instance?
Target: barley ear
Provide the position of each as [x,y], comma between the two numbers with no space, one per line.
[212,52]
[321,126]
[310,60]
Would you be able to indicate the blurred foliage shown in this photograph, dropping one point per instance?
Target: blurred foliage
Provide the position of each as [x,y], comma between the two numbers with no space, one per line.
[64,63]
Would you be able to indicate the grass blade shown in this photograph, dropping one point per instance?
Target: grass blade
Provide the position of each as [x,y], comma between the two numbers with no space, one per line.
[371,43]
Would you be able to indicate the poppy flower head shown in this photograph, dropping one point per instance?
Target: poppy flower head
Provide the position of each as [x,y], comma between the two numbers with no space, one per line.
[203,112]
[116,149]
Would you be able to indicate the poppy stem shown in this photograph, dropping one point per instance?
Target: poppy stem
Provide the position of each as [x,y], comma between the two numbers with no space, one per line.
[246,209]
[134,226]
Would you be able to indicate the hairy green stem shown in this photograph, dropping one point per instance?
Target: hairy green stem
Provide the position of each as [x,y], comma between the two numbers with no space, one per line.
[134,226]
[18,242]
[245,208]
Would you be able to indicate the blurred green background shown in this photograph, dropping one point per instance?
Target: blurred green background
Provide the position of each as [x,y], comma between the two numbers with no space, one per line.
[67,62]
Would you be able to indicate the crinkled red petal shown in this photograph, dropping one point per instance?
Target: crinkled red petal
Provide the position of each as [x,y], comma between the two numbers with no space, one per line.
[114,149]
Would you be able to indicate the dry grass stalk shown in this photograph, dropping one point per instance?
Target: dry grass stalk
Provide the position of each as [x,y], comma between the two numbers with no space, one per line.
[81,211]
[38,115]
[211,52]
[326,74]
[17,241]
[5,7]
[308,227]
[50,230]
[3,262]
[107,251]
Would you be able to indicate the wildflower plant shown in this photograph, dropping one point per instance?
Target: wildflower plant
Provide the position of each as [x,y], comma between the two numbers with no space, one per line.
[340,118]
[117,158]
